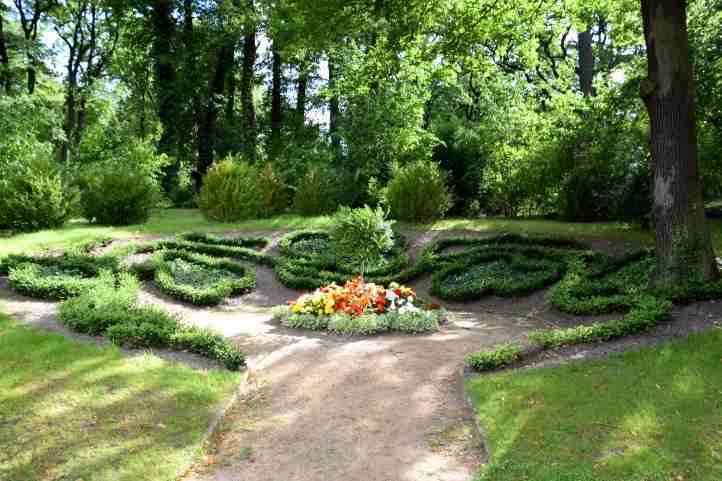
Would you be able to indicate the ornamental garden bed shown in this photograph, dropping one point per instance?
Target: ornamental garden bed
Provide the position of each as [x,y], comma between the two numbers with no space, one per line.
[362,308]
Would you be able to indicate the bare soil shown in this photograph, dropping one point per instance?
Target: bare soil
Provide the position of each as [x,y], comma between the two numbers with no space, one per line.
[318,406]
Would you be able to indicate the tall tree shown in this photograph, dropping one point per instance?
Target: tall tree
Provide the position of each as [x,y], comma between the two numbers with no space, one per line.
[250,126]
[276,82]
[333,105]
[683,243]
[90,32]
[164,29]
[586,62]
[302,93]
[30,13]
[4,57]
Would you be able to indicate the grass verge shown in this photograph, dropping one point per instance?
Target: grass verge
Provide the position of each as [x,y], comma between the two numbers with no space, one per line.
[648,415]
[73,411]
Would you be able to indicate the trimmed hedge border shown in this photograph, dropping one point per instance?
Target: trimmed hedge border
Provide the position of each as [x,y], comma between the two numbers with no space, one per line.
[244,281]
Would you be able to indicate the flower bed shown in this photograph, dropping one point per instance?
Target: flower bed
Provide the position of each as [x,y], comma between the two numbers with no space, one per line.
[360,307]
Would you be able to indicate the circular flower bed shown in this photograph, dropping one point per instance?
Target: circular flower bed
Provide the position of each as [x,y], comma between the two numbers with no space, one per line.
[360,307]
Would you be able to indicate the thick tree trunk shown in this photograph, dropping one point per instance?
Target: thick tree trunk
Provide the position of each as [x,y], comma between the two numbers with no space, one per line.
[586,63]
[683,244]
[276,119]
[207,128]
[333,107]
[193,118]
[4,59]
[249,110]
[163,31]
[301,95]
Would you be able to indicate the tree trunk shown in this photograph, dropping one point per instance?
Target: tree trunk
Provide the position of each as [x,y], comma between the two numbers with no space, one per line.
[4,59]
[207,129]
[683,245]
[163,31]
[276,119]
[247,72]
[586,63]
[190,75]
[333,107]
[301,95]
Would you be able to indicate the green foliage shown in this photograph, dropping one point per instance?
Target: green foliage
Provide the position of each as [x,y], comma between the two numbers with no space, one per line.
[501,356]
[361,236]
[111,309]
[234,190]
[34,194]
[418,192]
[317,192]
[117,196]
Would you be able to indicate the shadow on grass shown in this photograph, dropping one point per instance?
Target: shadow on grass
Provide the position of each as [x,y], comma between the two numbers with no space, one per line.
[649,415]
[72,411]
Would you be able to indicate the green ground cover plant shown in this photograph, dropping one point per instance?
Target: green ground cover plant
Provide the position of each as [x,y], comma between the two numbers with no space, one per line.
[651,414]
[72,410]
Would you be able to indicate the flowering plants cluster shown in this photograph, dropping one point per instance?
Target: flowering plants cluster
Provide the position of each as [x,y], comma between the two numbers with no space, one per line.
[357,297]
[360,307]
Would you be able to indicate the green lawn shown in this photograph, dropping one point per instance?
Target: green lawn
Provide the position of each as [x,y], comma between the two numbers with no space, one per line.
[71,411]
[649,415]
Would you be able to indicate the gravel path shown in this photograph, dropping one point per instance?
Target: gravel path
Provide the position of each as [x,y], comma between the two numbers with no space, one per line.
[320,407]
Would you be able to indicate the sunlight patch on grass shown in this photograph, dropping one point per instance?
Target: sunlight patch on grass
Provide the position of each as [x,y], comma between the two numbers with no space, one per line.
[76,411]
[649,415]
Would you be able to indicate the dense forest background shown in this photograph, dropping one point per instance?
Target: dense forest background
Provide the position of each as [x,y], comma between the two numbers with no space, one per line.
[527,107]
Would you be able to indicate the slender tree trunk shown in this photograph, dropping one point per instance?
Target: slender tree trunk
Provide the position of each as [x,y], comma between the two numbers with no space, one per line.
[249,110]
[190,71]
[231,94]
[301,95]
[163,30]
[4,59]
[32,74]
[586,63]
[207,129]
[683,244]
[333,107]
[70,117]
[276,115]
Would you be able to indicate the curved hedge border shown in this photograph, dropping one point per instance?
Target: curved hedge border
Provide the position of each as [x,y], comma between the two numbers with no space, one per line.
[622,286]
[238,279]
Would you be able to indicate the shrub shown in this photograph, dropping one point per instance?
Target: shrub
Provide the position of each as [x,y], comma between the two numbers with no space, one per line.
[110,308]
[274,198]
[500,356]
[316,193]
[231,192]
[418,192]
[365,324]
[116,195]
[361,236]
[34,195]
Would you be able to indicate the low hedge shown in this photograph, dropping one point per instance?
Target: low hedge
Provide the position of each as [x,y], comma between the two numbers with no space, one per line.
[496,358]
[110,308]
[200,279]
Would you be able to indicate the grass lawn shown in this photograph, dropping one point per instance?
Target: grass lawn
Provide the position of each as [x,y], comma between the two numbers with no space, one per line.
[649,415]
[71,411]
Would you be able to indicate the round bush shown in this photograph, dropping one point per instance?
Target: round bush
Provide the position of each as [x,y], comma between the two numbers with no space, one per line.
[418,192]
[234,190]
[34,195]
[317,192]
[118,196]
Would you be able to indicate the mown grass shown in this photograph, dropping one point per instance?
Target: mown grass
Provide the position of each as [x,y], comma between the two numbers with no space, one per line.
[72,411]
[173,221]
[648,415]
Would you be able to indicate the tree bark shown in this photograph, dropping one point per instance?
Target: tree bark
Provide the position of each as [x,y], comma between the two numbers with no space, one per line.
[683,244]
[193,118]
[333,107]
[301,95]
[276,115]
[4,59]
[165,83]
[586,63]
[207,129]
[247,73]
